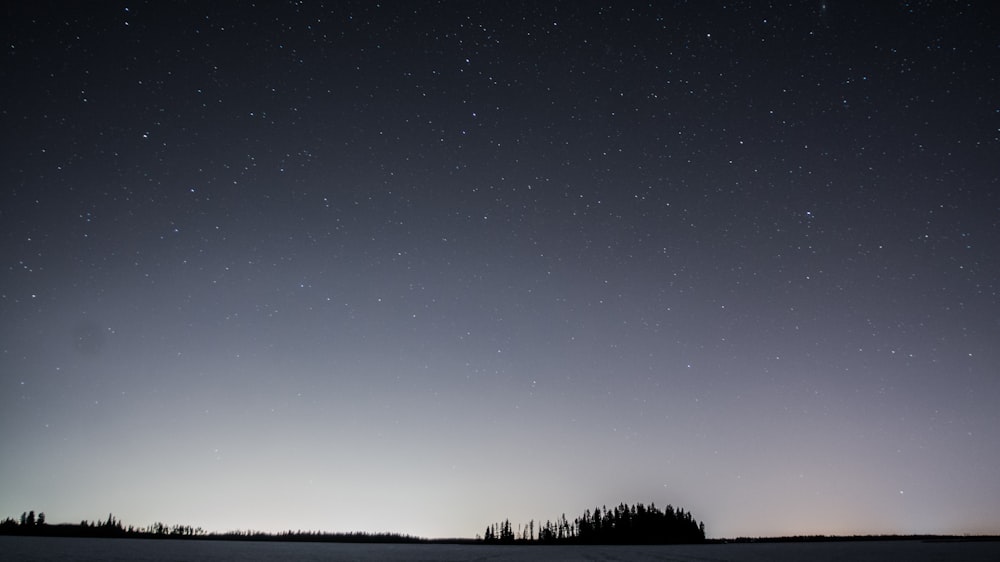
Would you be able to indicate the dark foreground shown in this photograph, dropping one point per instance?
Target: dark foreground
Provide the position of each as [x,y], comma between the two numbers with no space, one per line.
[85,550]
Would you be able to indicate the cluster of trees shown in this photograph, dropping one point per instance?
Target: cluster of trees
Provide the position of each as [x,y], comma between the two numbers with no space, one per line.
[28,520]
[624,524]
[29,524]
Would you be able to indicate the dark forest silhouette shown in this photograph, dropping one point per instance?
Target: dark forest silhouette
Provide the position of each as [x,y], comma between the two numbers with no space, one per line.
[31,525]
[623,524]
[620,525]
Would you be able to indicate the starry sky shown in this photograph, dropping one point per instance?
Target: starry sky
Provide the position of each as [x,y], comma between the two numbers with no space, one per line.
[423,266]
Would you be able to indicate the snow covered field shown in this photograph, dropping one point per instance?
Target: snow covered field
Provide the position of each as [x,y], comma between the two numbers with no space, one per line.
[80,550]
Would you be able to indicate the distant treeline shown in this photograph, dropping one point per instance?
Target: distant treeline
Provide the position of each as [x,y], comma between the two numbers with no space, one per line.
[30,524]
[858,538]
[624,524]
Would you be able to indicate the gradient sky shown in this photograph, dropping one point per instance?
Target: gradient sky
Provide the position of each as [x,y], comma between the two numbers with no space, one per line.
[419,267]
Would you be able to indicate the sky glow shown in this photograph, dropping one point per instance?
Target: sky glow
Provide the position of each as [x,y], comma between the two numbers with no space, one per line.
[419,267]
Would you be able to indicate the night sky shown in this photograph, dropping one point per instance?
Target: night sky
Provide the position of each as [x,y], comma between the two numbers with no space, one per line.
[419,267]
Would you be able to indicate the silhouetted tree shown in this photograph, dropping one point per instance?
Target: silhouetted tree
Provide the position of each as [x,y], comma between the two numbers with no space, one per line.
[506,532]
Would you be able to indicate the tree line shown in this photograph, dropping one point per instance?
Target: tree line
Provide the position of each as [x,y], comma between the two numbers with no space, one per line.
[30,524]
[623,524]
[112,527]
